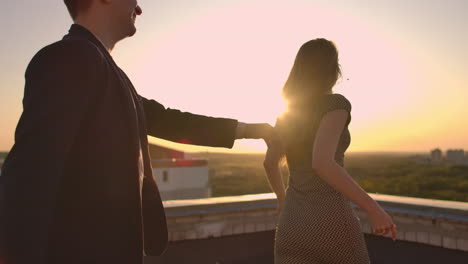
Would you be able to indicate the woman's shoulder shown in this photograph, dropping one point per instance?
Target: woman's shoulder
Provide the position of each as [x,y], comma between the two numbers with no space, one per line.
[336,101]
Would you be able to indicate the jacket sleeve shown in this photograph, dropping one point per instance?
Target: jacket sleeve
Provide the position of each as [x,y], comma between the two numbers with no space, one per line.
[61,82]
[187,128]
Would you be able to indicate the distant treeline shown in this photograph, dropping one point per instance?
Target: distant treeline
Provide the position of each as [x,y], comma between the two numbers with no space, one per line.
[406,178]
[393,174]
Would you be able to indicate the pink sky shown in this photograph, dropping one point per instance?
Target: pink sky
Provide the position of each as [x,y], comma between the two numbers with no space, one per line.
[231,58]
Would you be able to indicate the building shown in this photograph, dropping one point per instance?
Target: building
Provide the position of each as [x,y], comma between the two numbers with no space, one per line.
[436,156]
[182,178]
[177,177]
[456,156]
[159,152]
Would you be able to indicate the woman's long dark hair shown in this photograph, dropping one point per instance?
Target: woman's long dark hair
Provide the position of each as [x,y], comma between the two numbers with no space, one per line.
[315,71]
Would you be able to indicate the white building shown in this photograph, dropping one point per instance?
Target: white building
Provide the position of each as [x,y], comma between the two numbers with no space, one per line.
[182,178]
[456,156]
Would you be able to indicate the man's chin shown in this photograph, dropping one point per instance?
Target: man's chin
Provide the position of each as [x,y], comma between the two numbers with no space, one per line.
[131,31]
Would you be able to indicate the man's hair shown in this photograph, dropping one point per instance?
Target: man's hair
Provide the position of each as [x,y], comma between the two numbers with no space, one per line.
[76,6]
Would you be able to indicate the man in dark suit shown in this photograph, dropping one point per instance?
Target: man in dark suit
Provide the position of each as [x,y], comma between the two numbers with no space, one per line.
[77,186]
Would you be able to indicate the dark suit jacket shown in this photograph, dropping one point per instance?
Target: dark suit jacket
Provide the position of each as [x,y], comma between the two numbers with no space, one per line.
[71,188]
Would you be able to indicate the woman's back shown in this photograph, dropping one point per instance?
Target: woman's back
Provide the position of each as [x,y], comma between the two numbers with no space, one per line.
[298,130]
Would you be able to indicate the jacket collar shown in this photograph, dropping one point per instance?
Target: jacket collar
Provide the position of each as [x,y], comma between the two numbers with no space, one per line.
[79,32]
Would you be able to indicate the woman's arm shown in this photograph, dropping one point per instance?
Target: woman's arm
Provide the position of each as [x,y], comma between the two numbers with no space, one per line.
[323,162]
[271,165]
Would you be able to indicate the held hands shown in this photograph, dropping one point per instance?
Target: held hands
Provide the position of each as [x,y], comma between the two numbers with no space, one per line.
[255,131]
[382,223]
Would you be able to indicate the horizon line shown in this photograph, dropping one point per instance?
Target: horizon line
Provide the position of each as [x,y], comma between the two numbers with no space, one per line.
[262,152]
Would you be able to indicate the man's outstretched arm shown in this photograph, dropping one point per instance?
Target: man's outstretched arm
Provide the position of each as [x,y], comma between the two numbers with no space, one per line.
[183,127]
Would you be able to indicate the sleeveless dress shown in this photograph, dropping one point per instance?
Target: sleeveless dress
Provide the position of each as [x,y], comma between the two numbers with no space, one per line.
[317,223]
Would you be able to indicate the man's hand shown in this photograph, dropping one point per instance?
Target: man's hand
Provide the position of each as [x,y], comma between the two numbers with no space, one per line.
[255,131]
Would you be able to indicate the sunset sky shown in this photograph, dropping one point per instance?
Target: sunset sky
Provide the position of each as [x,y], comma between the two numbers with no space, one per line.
[404,62]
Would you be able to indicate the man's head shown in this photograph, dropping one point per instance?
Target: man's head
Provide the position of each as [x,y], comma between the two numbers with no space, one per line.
[77,6]
[118,15]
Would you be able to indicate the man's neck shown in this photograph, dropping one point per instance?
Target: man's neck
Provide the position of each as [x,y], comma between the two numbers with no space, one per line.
[101,33]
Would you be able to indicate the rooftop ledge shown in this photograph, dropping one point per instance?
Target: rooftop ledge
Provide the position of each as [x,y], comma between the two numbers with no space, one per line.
[431,222]
[391,203]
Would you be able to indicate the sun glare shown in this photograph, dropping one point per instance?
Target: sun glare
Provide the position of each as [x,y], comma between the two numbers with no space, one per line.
[229,63]
[221,65]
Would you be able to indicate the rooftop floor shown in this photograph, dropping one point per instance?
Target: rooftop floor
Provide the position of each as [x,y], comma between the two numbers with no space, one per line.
[257,248]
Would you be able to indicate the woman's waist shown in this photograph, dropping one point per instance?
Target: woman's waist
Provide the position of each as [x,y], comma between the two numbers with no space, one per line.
[308,182]
[325,199]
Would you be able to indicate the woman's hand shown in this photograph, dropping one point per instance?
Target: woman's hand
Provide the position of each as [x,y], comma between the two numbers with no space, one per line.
[280,205]
[382,223]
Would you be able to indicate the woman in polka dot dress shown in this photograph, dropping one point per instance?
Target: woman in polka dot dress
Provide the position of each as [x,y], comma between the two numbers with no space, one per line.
[317,223]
